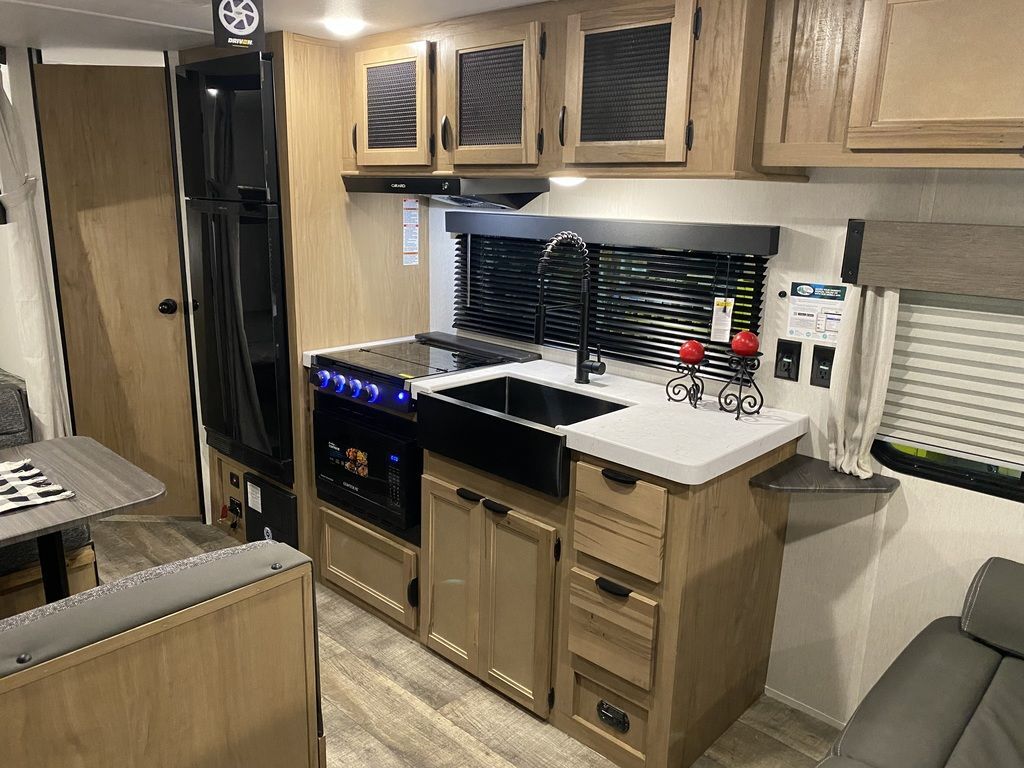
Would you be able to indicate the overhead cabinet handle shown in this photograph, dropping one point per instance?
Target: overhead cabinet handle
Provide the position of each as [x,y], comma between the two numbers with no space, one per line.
[468,495]
[612,588]
[619,477]
[355,147]
[561,127]
[496,508]
[445,133]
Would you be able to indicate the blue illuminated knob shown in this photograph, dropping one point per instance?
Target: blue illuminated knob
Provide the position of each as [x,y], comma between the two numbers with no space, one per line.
[372,393]
[339,383]
[356,387]
[323,378]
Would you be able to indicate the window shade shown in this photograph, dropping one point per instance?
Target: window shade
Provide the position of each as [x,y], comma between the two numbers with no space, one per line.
[644,302]
[956,378]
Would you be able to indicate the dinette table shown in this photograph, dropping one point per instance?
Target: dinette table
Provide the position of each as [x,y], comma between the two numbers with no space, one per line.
[104,484]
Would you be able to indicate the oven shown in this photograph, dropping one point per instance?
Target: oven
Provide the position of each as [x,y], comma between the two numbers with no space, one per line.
[368,462]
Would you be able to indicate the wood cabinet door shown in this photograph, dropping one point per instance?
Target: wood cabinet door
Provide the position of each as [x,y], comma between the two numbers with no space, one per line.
[393,92]
[939,75]
[377,570]
[517,606]
[488,95]
[450,577]
[627,83]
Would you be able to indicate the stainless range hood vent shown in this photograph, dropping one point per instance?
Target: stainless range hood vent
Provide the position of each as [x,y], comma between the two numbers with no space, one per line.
[493,194]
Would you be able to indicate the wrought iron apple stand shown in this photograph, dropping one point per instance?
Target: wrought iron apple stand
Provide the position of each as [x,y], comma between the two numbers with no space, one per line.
[688,387]
[741,395]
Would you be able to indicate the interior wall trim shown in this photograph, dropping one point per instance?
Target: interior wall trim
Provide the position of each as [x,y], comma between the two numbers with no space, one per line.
[749,239]
[966,259]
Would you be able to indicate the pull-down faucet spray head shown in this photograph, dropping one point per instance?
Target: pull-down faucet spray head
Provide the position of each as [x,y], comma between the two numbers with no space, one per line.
[570,239]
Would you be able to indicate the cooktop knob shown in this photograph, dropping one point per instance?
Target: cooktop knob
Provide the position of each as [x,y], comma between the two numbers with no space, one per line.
[356,387]
[323,378]
[372,393]
[339,383]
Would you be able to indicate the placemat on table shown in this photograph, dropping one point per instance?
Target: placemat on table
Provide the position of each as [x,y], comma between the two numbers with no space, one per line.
[23,485]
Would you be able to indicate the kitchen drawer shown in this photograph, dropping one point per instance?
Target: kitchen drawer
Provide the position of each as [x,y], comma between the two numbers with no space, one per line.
[620,519]
[609,717]
[617,632]
[377,570]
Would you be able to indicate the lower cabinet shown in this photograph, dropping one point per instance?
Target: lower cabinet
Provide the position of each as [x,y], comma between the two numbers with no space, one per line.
[488,585]
[378,570]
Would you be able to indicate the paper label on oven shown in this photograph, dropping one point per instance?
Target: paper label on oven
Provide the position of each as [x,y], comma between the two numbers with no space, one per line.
[254,497]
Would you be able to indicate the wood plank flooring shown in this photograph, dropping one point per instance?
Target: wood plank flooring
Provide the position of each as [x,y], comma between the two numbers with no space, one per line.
[388,702]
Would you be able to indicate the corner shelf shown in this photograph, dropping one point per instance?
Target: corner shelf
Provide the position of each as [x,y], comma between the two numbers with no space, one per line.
[803,474]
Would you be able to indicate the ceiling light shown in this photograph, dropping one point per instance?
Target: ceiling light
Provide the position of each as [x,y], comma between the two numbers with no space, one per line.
[345,26]
[212,91]
[567,181]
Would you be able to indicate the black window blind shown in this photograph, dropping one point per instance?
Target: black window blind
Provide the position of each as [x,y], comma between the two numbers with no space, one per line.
[644,301]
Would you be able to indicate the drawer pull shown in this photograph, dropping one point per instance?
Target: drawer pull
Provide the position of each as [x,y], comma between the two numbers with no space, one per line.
[496,508]
[619,477]
[612,588]
[613,716]
[468,495]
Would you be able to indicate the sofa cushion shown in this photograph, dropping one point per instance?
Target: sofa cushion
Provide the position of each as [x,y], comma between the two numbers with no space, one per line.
[24,554]
[995,736]
[917,712]
[994,606]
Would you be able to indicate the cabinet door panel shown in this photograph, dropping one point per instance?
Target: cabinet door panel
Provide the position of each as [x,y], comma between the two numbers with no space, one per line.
[627,83]
[393,105]
[489,96]
[939,74]
[517,607]
[375,569]
[451,580]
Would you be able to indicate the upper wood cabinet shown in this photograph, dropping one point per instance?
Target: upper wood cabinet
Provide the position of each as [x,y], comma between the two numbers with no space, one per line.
[627,83]
[393,101]
[488,95]
[939,75]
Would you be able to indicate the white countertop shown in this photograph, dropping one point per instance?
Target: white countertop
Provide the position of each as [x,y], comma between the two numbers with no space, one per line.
[670,440]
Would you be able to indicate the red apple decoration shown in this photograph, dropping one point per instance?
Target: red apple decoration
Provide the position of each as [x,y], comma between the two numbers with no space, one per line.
[745,344]
[692,352]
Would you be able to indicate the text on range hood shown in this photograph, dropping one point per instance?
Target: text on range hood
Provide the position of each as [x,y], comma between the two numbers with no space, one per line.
[471,193]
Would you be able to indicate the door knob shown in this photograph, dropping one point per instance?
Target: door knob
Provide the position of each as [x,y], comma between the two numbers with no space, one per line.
[167,307]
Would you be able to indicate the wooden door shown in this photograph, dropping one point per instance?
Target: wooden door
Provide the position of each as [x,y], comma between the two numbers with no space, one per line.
[627,83]
[939,75]
[517,606]
[488,96]
[393,93]
[106,148]
[376,569]
[450,576]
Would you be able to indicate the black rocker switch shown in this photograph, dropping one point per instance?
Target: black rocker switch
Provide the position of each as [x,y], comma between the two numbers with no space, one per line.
[787,360]
[821,366]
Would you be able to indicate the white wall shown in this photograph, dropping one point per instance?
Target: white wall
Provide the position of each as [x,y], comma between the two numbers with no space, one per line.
[858,581]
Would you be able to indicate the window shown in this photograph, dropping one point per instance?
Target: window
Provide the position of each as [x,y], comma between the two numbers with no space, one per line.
[644,301]
[954,409]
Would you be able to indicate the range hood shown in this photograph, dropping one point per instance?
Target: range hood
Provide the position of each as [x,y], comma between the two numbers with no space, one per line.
[468,193]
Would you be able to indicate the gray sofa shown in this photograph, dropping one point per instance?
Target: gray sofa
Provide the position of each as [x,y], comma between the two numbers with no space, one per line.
[955,697]
[15,420]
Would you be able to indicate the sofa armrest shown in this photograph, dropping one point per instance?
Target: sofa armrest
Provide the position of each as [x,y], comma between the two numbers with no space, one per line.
[994,607]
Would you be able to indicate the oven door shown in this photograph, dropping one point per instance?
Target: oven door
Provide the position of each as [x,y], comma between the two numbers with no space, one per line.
[367,470]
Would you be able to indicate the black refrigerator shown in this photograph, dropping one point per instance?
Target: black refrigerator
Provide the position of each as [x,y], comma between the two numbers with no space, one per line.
[229,173]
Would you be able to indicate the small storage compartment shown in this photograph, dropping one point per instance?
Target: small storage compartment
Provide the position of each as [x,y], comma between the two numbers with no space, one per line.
[610,716]
[612,627]
[379,571]
[270,512]
[620,519]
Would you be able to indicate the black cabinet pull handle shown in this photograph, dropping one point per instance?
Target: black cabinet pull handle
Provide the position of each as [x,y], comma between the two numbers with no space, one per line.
[619,477]
[355,147]
[412,593]
[167,307]
[561,126]
[468,495]
[446,128]
[496,508]
[612,588]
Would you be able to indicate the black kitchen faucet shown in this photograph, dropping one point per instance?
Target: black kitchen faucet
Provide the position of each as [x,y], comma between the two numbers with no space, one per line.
[584,365]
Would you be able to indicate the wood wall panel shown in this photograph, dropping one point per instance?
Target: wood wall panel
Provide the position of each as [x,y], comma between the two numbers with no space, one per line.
[106,146]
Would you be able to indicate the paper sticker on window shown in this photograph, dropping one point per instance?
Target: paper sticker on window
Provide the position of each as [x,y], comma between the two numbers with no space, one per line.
[721,319]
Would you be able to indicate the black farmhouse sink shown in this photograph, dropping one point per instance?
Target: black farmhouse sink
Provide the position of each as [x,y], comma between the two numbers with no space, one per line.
[505,426]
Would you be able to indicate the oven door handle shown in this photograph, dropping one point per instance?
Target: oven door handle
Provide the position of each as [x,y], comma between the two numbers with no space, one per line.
[468,495]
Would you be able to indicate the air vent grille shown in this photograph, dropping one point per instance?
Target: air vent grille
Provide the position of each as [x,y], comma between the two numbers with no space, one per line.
[491,96]
[625,84]
[391,105]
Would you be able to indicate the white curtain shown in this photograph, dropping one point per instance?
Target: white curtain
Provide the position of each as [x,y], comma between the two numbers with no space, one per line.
[31,286]
[860,377]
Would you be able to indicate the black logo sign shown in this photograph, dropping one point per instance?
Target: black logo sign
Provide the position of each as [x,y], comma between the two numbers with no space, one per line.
[238,24]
